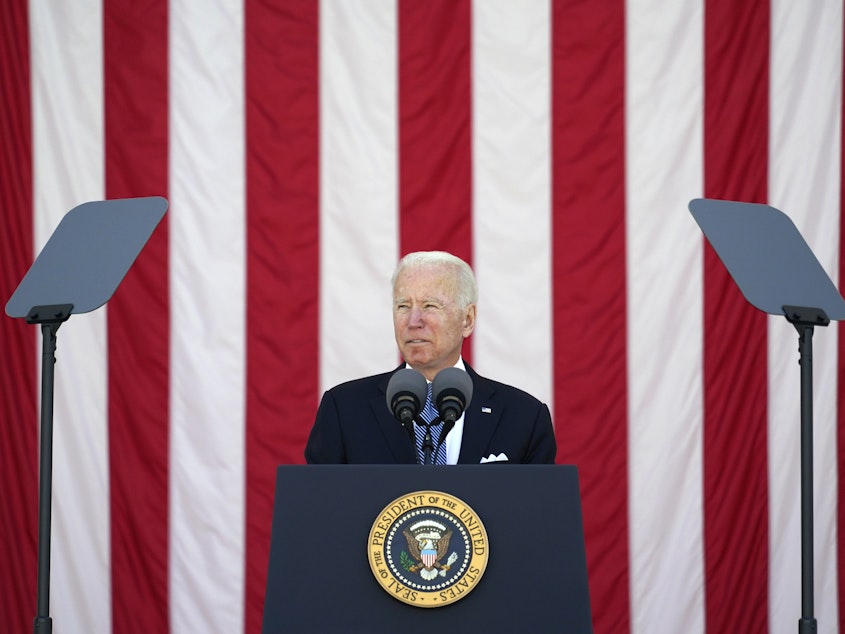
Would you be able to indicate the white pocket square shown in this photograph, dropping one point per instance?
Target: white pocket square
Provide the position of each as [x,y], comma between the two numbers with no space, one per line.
[491,458]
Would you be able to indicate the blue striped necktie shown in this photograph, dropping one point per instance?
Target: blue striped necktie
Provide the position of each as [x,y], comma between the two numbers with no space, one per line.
[428,414]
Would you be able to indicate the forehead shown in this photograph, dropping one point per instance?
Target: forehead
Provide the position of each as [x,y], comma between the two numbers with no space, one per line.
[429,281]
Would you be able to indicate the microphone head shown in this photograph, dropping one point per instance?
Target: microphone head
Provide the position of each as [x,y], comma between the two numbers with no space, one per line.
[451,392]
[406,392]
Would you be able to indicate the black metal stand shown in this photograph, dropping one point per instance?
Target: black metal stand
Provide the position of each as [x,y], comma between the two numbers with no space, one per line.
[805,319]
[780,268]
[82,264]
[50,318]
[427,444]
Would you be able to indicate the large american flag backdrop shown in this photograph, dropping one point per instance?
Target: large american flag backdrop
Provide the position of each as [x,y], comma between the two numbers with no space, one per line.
[303,147]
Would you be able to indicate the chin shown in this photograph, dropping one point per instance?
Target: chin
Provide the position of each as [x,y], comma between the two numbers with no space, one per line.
[416,361]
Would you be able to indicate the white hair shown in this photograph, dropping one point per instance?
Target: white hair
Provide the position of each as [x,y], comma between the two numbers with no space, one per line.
[466,286]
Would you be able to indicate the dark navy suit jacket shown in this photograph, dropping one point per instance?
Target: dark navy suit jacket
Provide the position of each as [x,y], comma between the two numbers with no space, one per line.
[355,425]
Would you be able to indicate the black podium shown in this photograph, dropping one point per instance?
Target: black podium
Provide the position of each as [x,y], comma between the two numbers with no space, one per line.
[320,579]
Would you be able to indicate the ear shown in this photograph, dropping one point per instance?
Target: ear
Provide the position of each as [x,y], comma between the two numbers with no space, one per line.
[469,321]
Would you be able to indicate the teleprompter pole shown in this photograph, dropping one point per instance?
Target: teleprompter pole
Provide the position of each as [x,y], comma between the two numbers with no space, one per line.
[804,320]
[50,318]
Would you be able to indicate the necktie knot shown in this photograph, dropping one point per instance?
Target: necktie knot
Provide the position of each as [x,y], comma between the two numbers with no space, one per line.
[429,412]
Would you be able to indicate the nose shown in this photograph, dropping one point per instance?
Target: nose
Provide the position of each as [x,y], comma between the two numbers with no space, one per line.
[415,317]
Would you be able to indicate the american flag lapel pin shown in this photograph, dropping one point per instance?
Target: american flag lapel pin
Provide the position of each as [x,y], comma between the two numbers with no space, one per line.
[486,410]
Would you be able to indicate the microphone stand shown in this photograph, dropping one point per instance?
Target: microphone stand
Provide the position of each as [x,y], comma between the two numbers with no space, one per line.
[448,424]
[427,444]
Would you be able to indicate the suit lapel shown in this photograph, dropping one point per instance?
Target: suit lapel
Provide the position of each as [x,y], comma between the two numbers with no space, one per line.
[480,419]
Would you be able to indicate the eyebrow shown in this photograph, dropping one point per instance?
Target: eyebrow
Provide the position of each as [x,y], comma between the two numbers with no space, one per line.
[424,300]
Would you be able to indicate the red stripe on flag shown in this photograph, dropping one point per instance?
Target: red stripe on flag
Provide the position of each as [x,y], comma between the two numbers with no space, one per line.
[435,144]
[282,128]
[18,388]
[736,119]
[588,145]
[435,172]
[136,109]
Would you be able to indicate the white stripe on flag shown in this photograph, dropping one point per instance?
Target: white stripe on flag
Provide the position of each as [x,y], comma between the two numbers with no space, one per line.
[664,255]
[806,74]
[358,187]
[207,254]
[68,149]
[512,193]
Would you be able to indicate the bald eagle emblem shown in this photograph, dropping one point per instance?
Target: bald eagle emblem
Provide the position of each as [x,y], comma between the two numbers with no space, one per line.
[427,548]
[428,544]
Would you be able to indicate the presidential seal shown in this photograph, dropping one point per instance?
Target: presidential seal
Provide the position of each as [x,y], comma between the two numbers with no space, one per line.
[428,549]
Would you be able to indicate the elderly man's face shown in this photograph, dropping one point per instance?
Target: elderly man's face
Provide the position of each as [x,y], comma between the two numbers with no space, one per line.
[428,323]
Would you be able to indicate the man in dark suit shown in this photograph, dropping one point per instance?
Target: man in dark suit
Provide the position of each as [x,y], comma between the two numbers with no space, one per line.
[434,309]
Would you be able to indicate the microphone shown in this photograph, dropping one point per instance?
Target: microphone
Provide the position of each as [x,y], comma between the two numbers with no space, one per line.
[406,392]
[451,392]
